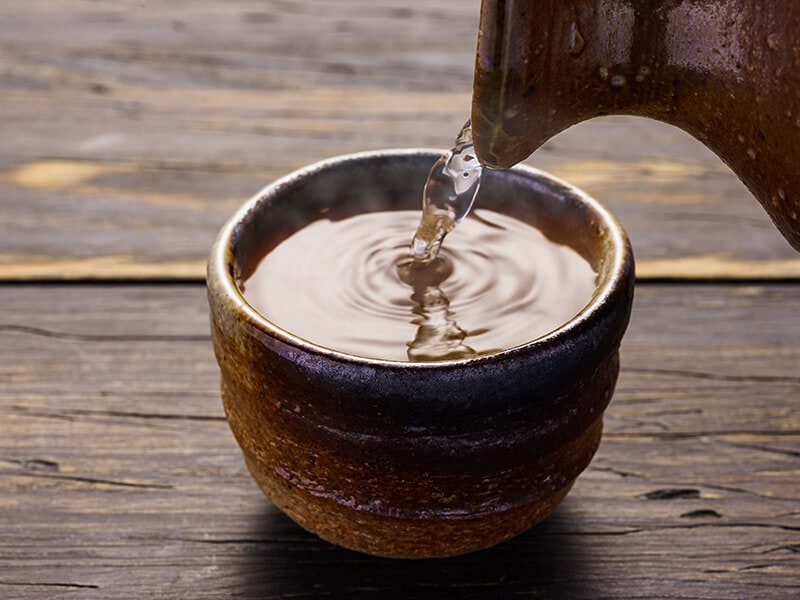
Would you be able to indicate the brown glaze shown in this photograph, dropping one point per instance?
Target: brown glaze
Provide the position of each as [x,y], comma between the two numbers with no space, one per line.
[417,460]
[725,71]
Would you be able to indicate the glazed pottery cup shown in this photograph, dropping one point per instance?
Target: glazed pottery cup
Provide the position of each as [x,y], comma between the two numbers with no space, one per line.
[405,459]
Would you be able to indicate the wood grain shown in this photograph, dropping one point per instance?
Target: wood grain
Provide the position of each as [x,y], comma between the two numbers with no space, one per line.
[119,476]
[132,130]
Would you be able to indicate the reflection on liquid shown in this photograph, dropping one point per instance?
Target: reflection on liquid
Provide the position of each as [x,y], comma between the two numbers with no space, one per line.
[438,335]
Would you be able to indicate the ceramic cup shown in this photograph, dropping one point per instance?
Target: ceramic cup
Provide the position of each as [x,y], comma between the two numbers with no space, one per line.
[406,459]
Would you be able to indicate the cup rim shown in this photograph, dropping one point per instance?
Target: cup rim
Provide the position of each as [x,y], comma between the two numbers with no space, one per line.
[220,274]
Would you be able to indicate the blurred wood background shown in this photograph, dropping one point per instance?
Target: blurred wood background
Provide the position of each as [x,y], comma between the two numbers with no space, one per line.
[129,133]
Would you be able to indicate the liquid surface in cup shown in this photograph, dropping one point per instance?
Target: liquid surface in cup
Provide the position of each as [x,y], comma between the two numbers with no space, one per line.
[350,285]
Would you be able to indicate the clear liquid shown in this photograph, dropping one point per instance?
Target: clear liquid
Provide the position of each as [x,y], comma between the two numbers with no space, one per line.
[449,194]
[350,285]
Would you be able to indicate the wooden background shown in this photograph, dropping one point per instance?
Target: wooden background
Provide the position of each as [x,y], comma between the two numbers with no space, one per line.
[129,131]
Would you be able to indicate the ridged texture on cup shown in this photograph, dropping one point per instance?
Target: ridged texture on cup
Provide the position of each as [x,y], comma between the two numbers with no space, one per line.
[419,460]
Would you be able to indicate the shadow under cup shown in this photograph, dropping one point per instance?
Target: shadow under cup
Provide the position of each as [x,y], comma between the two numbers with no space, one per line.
[407,459]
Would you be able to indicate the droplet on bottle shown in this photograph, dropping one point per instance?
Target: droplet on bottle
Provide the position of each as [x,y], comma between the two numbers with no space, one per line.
[576,42]
[618,81]
[772,41]
[603,71]
[751,153]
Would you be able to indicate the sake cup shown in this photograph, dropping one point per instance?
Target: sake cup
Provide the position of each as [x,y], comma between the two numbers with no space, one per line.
[407,459]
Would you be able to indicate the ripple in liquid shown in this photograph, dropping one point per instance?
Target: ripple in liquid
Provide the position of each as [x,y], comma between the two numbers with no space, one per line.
[351,286]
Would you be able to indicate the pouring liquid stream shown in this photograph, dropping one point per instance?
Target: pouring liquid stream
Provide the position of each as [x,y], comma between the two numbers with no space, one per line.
[449,194]
[447,198]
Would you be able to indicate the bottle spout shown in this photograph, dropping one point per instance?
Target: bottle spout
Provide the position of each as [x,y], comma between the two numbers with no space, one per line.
[517,103]
[725,71]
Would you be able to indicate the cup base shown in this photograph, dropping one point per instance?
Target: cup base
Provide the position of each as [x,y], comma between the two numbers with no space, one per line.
[402,538]
[410,538]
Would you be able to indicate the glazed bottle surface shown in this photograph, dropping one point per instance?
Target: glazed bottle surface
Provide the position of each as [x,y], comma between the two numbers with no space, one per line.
[725,71]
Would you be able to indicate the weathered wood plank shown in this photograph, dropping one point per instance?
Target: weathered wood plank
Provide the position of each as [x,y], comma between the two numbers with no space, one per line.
[130,132]
[119,477]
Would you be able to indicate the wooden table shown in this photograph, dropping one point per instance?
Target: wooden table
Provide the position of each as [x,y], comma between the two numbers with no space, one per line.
[131,130]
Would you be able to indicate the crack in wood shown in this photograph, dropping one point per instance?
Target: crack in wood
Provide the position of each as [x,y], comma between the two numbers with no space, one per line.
[672,494]
[146,416]
[152,421]
[703,512]
[753,567]
[738,490]
[739,569]
[34,464]
[732,524]
[713,376]
[80,337]
[159,394]
[89,480]
[80,586]
[616,472]
[622,435]
[767,449]
[675,412]
[793,548]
